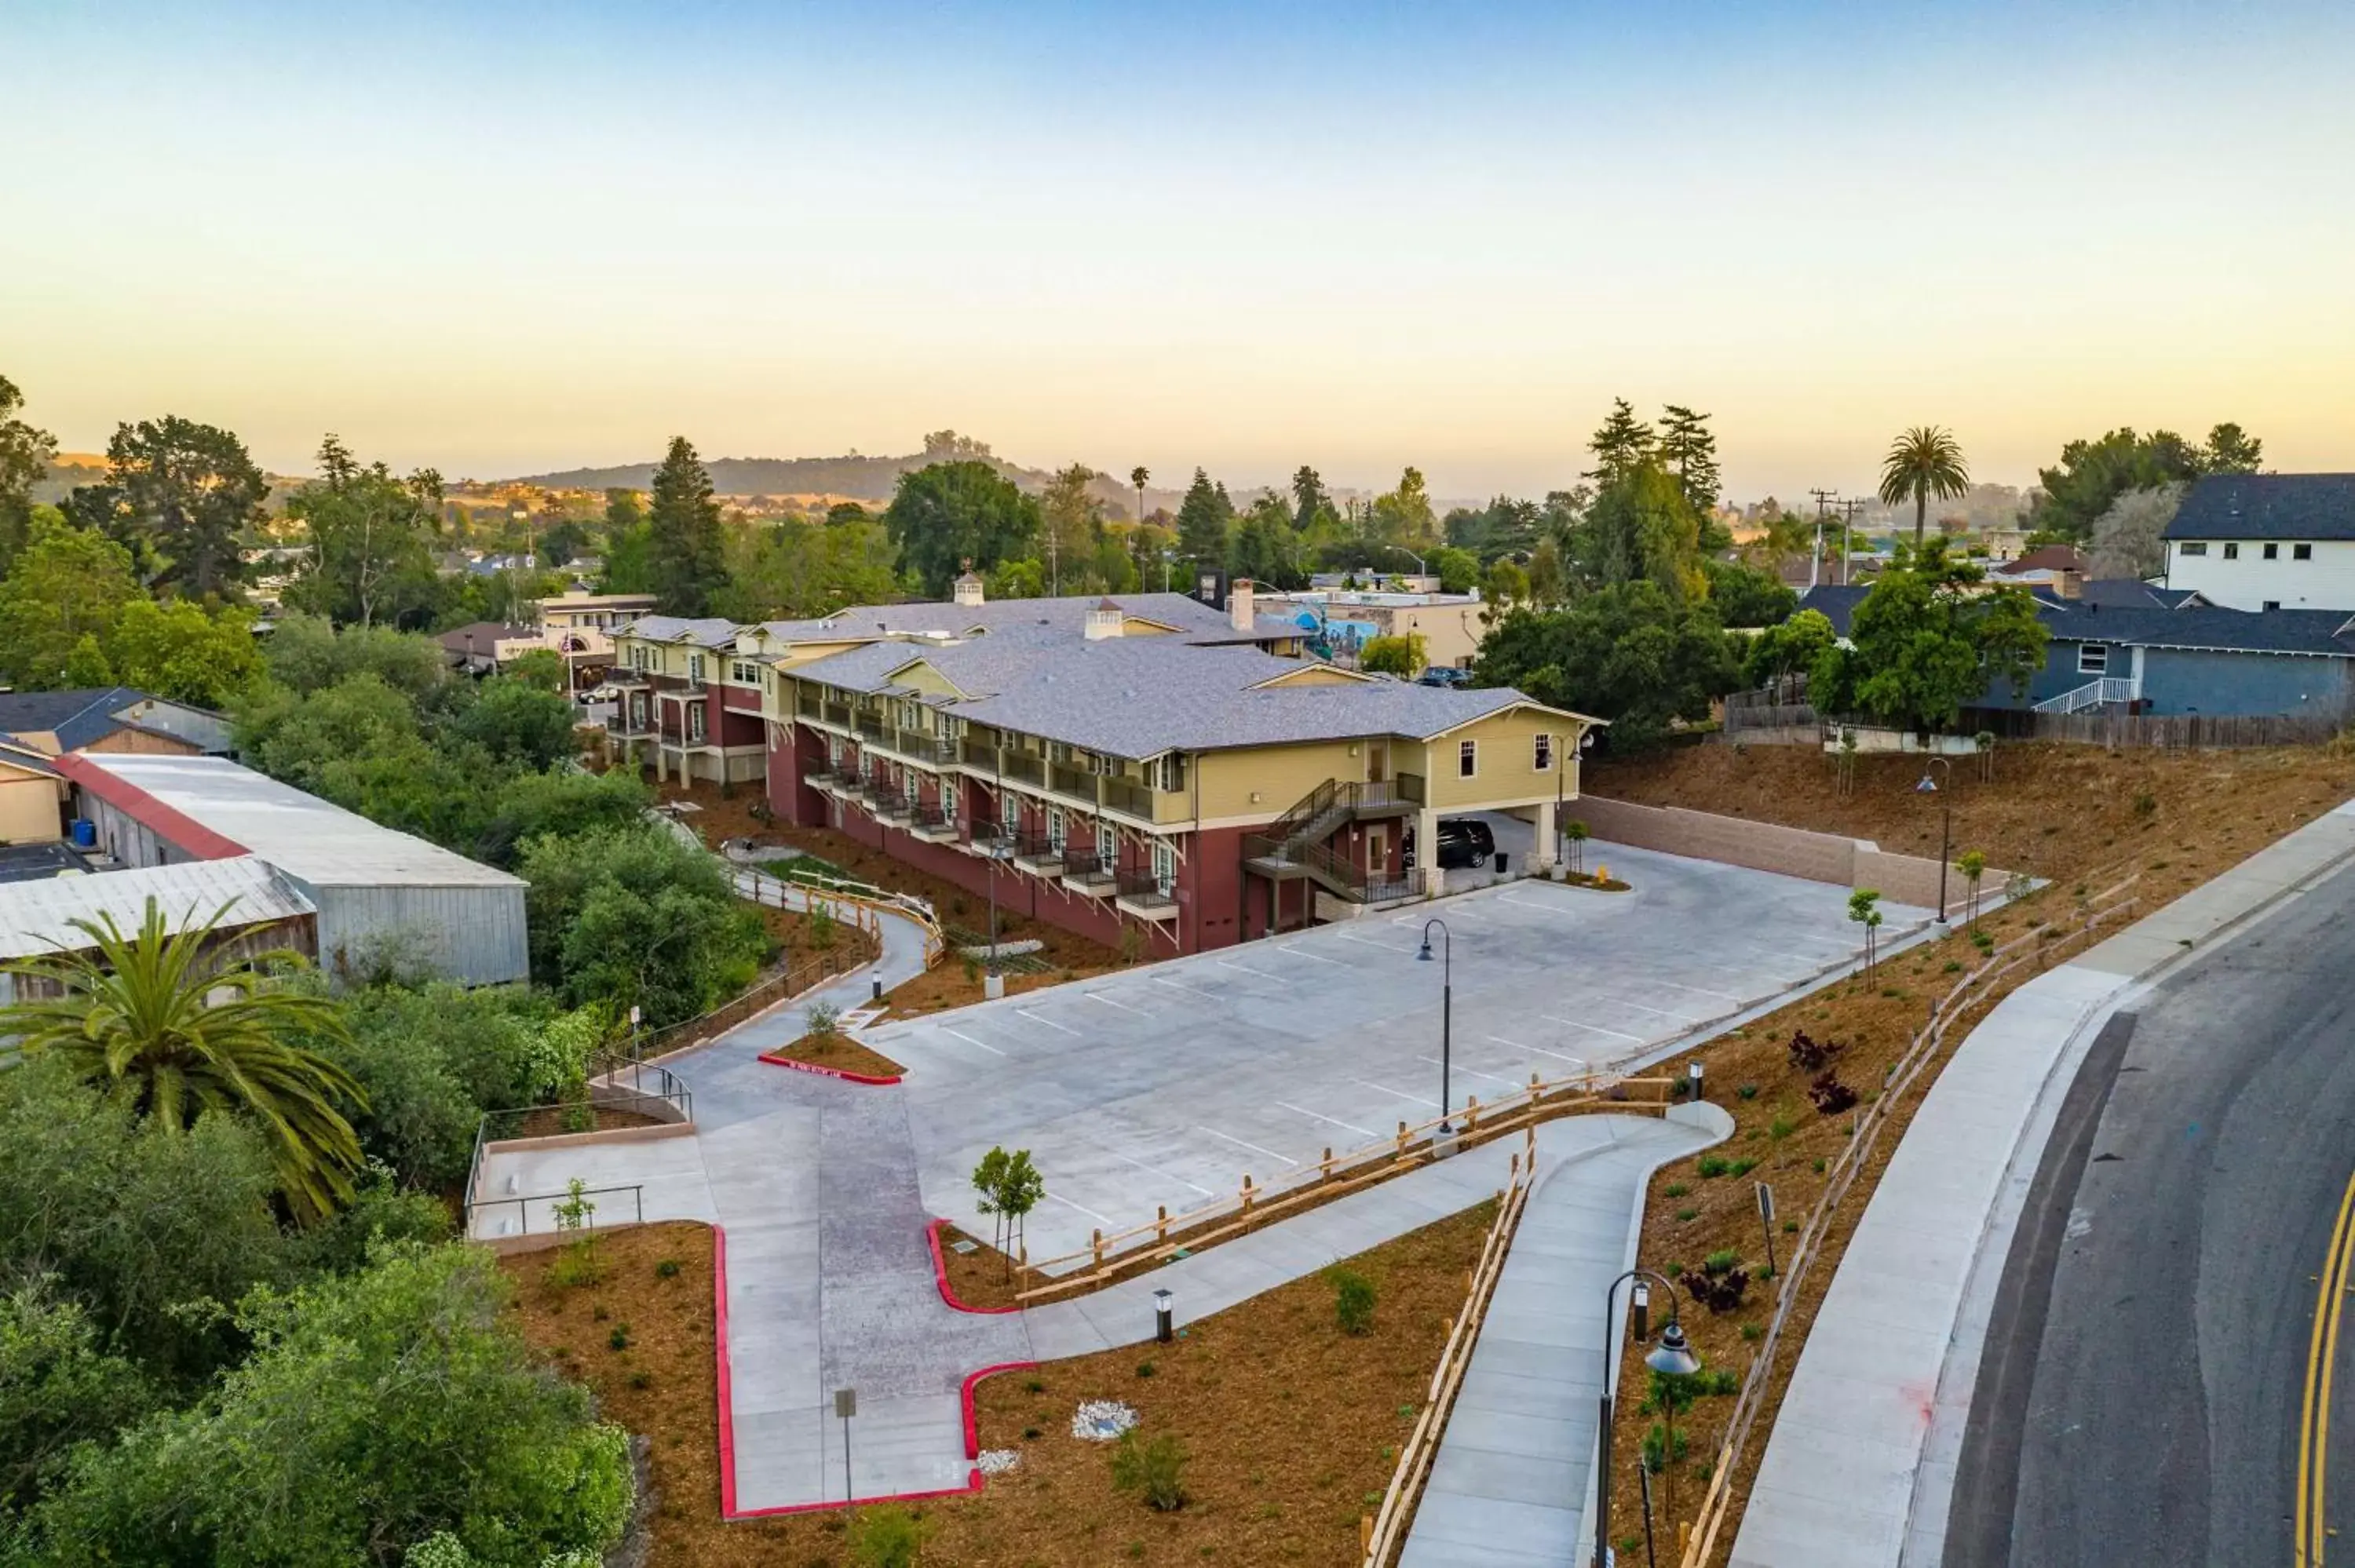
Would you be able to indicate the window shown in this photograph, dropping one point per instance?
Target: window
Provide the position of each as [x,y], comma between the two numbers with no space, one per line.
[694,667]
[1165,865]
[695,722]
[1542,754]
[1107,843]
[2199,548]
[1055,828]
[2233,551]
[1170,773]
[2301,552]
[2272,552]
[1467,760]
[2093,659]
[2273,604]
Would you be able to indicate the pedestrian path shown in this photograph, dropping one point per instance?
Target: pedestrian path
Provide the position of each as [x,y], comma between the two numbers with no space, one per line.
[1512,1484]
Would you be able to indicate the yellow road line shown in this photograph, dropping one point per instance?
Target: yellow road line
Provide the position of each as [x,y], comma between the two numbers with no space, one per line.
[2314,1419]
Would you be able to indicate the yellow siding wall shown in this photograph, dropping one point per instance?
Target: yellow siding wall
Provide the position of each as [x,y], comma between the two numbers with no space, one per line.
[1313,676]
[1506,776]
[1450,633]
[28,808]
[1280,775]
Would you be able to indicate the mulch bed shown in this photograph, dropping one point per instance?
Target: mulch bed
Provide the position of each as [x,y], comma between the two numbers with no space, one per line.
[2080,816]
[549,1121]
[1291,1426]
[840,1052]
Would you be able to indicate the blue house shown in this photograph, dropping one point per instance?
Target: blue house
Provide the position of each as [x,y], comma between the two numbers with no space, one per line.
[2131,647]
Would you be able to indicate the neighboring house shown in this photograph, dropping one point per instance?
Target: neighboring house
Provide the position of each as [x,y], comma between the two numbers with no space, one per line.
[32,796]
[1132,769]
[112,719]
[1448,623]
[374,891]
[2056,568]
[2263,541]
[475,646]
[260,911]
[581,611]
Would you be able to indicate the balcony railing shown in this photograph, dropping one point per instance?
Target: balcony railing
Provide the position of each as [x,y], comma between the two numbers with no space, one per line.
[836,715]
[929,817]
[1089,866]
[809,705]
[925,747]
[995,839]
[1144,889]
[873,730]
[1022,768]
[890,804]
[1399,789]
[978,754]
[1036,847]
[1074,783]
[818,775]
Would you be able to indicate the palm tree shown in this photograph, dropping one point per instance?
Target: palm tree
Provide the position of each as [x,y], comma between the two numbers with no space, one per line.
[1926,460]
[171,1024]
[1137,476]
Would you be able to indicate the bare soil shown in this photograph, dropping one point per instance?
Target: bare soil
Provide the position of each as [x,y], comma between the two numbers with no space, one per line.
[1291,1426]
[549,1121]
[2082,817]
[984,1278]
[841,1052]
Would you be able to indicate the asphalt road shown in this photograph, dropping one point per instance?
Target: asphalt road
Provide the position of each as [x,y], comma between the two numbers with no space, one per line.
[2146,1380]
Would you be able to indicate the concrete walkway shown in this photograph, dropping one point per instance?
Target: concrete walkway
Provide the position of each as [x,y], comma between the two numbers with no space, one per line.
[1511,1486]
[1859,1469]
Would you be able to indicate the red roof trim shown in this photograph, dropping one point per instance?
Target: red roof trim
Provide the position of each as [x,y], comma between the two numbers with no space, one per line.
[185,831]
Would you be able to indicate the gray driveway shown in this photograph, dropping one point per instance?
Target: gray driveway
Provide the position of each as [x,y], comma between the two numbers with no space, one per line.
[1165,1085]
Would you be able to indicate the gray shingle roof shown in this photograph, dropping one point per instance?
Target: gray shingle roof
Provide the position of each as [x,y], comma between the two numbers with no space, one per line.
[76,717]
[1194,619]
[2207,626]
[708,631]
[2268,506]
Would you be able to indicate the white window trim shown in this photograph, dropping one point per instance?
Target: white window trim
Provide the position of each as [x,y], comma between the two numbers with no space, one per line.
[2192,548]
[2231,549]
[2093,659]
[2301,552]
[1467,760]
[1542,754]
[1165,865]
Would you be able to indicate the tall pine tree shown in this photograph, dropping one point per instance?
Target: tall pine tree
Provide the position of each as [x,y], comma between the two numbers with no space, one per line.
[1689,451]
[683,543]
[1622,444]
[1202,520]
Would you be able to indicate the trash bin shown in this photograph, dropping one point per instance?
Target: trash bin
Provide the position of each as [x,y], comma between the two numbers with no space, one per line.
[1500,863]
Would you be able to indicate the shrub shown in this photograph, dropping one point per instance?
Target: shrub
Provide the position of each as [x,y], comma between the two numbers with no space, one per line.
[666,1269]
[620,1338]
[1353,1300]
[1742,1168]
[1720,1290]
[1747,1092]
[887,1537]
[1830,1095]
[1687,1214]
[1752,1333]
[1782,1127]
[1145,1368]
[1675,1190]
[2145,803]
[1720,1262]
[822,1019]
[1810,1055]
[1656,1446]
[1154,1467]
[1713,1165]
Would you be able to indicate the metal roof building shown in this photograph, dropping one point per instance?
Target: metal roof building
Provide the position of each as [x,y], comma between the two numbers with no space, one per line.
[374,889]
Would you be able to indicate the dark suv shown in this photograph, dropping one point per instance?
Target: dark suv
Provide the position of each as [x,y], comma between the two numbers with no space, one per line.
[1462,842]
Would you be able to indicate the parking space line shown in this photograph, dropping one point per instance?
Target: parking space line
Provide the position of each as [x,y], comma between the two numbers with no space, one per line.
[1245,968]
[1255,1148]
[1661,1012]
[1165,1175]
[1173,985]
[1089,1212]
[1099,996]
[1330,1121]
[1679,985]
[1550,908]
[1050,1023]
[1402,1094]
[1597,1028]
[1299,952]
[1368,941]
[970,1040]
[1492,1078]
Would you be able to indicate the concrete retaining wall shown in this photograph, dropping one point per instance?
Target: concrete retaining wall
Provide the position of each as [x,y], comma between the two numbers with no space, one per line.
[1769,846]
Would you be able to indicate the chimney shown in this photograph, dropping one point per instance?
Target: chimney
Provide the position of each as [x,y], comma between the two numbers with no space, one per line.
[1104,620]
[967,588]
[2069,582]
[1238,606]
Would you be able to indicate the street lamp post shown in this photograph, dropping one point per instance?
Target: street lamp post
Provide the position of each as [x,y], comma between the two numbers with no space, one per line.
[1672,1356]
[1447,1008]
[1945,825]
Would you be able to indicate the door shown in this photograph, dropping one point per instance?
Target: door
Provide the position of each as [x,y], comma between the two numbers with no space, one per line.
[1378,851]
[1378,761]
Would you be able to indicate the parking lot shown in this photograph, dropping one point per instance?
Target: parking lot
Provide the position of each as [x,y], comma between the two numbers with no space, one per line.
[1165,1085]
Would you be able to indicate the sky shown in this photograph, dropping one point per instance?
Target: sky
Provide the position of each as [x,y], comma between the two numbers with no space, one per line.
[503,238]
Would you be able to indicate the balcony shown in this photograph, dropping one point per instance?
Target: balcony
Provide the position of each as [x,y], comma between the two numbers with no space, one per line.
[818,775]
[890,805]
[933,824]
[809,705]
[872,730]
[1089,872]
[978,754]
[1036,852]
[929,749]
[1072,783]
[1020,768]
[991,841]
[1141,894]
[834,714]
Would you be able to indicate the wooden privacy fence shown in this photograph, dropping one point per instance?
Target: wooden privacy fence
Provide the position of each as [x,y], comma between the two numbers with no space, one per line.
[1380,1535]
[2216,731]
[2032,948]
[1166,1235]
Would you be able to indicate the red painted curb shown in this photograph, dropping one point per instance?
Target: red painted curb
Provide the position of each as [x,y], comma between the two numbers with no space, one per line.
[940,1277]
[774,1060]
[728,1508]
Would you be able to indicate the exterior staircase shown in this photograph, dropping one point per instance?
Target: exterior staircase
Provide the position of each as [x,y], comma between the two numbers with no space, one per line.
[1293,845]
[2094,694]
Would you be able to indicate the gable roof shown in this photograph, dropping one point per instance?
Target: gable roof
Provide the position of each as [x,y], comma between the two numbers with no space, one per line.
[2047,558]
[704,632]
[2328,633]
[2268,506]
[76,717]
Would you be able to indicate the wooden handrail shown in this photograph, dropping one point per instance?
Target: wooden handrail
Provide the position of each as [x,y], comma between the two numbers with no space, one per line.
[1475,1123]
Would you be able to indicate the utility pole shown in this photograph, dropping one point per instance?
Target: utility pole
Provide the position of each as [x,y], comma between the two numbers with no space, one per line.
[1849,509]
[1816,562]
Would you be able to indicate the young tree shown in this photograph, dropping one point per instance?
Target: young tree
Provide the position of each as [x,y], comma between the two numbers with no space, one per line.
[1620,445]
[1864,908]
[950,513]
[684,547]
[69,586]
[1790,649]
[1020,1185]
[186,495]
[988,1177]
[174,1027]
[1972,863]
[1203,518]
[1923,461]
[1688,449]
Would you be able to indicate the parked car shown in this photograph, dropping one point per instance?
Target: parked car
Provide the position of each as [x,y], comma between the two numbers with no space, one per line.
[1462,842]
[1443,675]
